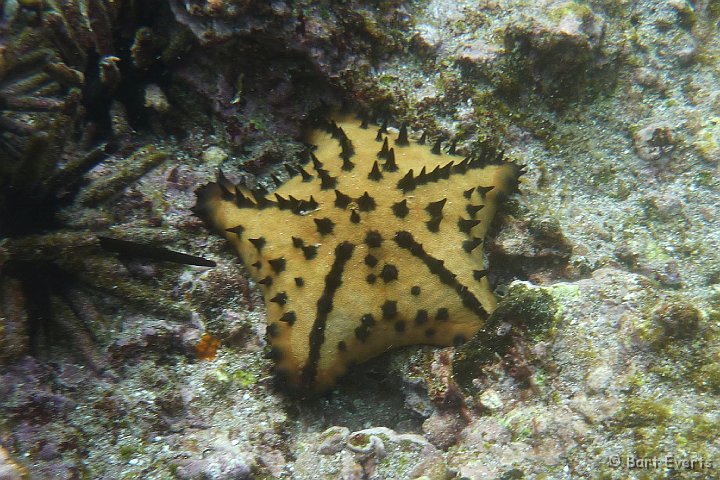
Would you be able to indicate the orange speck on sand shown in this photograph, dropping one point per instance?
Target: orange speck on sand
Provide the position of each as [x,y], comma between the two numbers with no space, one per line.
[207,347]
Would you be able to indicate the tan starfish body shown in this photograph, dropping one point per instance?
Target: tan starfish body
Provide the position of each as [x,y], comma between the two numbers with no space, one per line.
[375,244]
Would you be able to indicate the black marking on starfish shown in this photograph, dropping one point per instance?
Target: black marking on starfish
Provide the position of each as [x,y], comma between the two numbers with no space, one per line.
[343,253]
[367,320]
[371,260]
[389,309]
[389,273]
[407,241]
[325,226]
[373,239]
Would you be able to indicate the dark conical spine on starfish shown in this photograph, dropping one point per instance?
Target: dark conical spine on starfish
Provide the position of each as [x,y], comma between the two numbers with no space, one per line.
[241,200]
[237,230]
[366,203]
[384,150]
[226,186]
[473,209]
[342,200]
[435,208]
[260,200]
[466,225]
[375,173]
[436,148]
[283,203]
[390,165]
[400,209]
[327,181]
[402,139]
[407,183]
[258,242]
[317,164]
[433,224]
[470,245]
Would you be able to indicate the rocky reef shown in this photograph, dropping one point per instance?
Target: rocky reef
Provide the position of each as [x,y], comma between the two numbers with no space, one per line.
[133,344]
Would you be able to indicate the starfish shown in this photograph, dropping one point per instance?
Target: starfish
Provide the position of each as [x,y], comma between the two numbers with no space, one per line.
[373,244]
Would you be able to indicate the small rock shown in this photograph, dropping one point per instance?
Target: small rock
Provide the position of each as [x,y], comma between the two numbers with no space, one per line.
[335,439]
[485,430]
[654,142]
[600,379]
[442,428]
[214,156]
[155,99]
[678,319]
[490,400]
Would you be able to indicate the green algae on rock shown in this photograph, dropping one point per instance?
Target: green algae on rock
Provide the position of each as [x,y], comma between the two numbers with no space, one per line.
[362,257]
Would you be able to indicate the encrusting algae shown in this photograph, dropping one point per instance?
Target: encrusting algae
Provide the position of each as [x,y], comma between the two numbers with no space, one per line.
[372,245]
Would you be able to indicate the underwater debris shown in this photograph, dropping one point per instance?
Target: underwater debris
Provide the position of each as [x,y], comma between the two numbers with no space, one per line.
[71,74]
[207,347]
